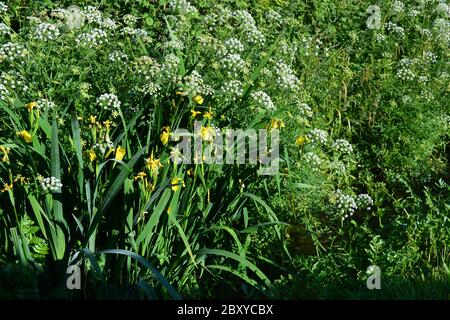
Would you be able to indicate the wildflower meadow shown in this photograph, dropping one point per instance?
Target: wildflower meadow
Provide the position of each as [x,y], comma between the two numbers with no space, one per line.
[245,149]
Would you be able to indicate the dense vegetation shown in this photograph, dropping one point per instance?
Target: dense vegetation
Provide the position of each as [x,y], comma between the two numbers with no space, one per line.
[92,94]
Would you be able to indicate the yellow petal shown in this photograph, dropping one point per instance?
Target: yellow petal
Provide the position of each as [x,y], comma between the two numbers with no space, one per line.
[120,153]
[165,137]
[198,99]
[25,135]
[30,106]
[92,155]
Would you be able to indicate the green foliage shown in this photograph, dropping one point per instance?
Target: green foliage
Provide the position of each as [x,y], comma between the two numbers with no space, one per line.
[89,113]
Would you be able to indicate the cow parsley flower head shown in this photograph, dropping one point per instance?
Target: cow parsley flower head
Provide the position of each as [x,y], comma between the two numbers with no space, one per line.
[129,20]
[4,29]
[342,146]
[92,39]
[318,136]
[13,80]
[50,184]
[274,17]
[3,7]
[429,57]
[233,89]
[4,92]
[183,7]
[305,110]
[118,56]
[45,104]
[263,100]
[286,78]
[46,32]
[364,201]
[398,7]
[244,18]
[12,51]
[108,101]
[233,46]
[254,37]
[313,160]
[136,34]
[192,84]
[92,14]
[233,64]
[345,205]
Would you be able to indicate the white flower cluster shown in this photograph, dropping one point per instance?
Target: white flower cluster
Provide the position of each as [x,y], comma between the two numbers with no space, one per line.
[147,65]
[391,26]
[379,37]
[313,160]
[342,146]
[233,46]
[254,37]
[345,204]
[129,20]
[93,38]
[136,33]
[406,99]
[443,8]
[338,166]
[425,32]
[118,56]
[207,90]
[11,51]
[422,79]
[13,80]
[364,201]
[441,30]
[182,7]
[426,95]
[51,184]
[429,57]
[213,20]
[92,14]
[102,147]
[192,84]
[4,29]
[413,13]
[173,44]
[313,46]
[398,7]
[263,100]
[233,89]
[233,64]
[286,78]
[170,66]
[108,101]
[109,24]
[3,7]
[150,87]
[404,71]
[274,17]
[317,136]
[244,18]
[288,50]
[4,92]
[45,104]
[46,31]
[305,110]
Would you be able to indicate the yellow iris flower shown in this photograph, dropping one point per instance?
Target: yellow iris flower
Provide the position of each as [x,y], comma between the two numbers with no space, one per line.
[25,135]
